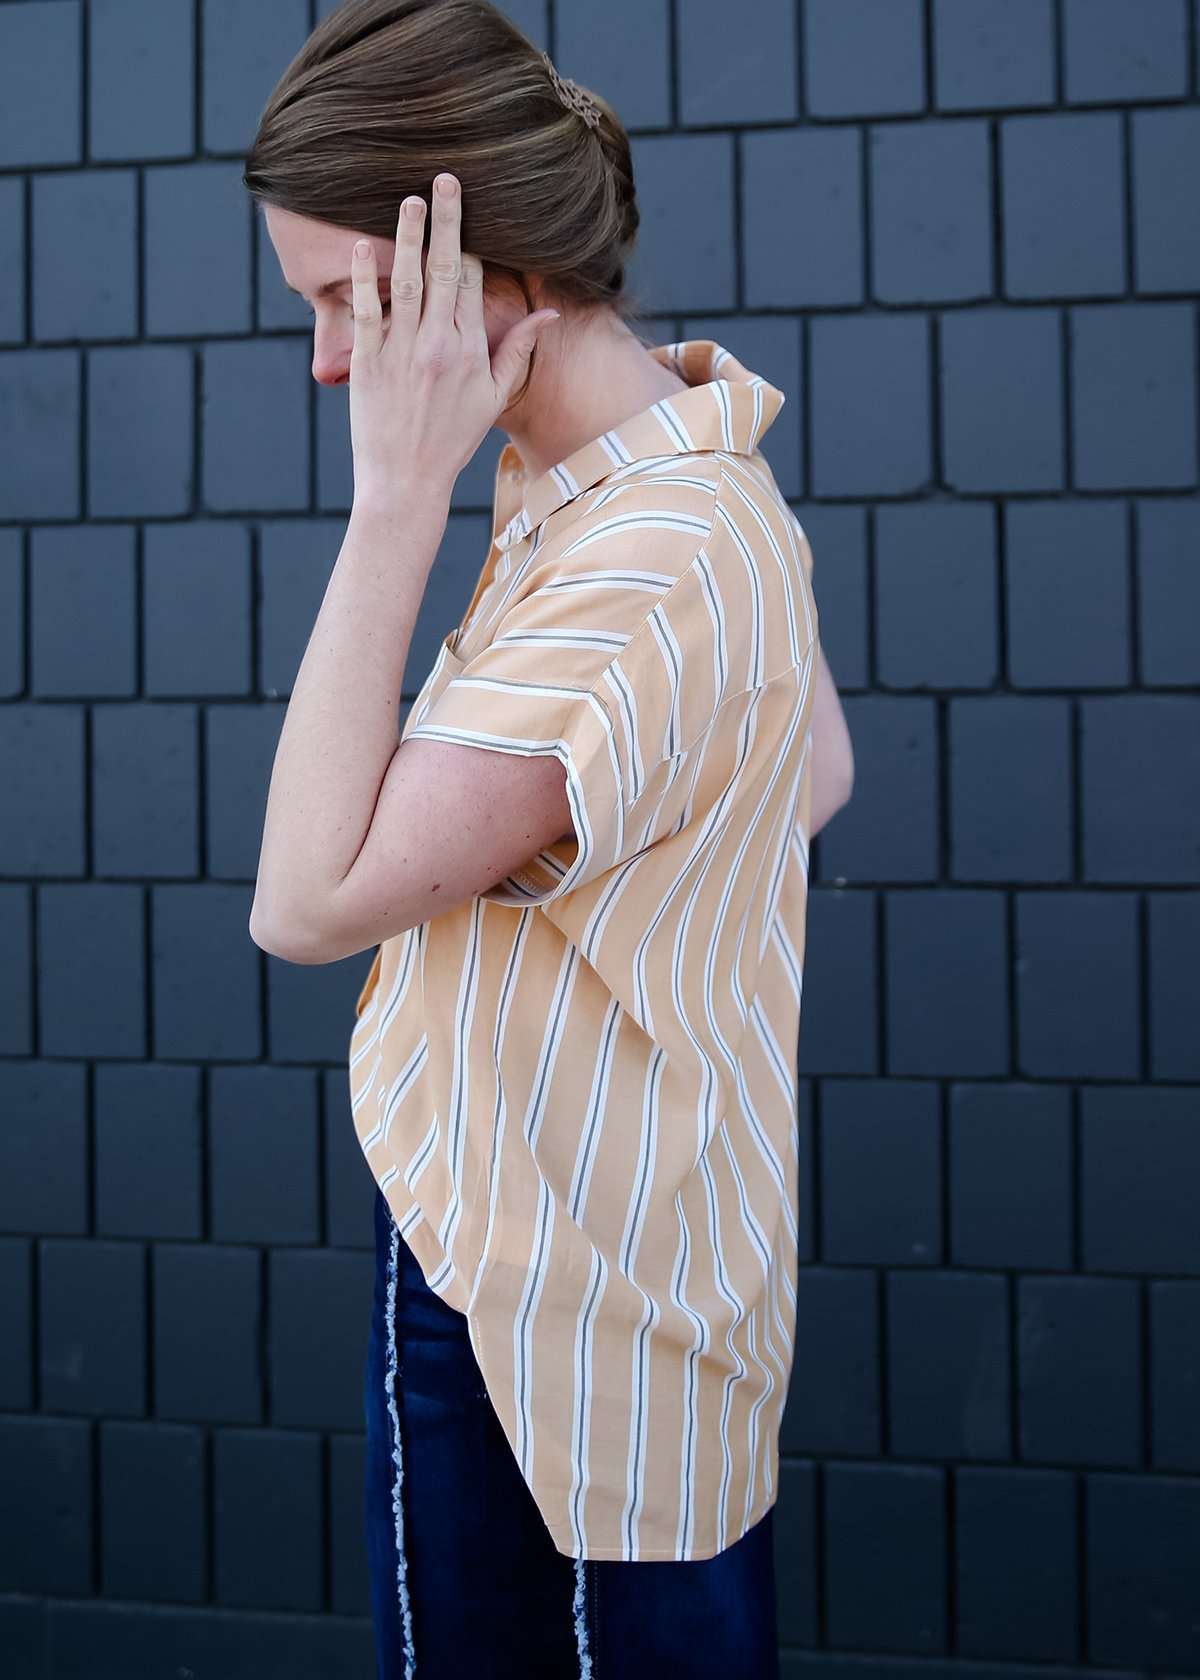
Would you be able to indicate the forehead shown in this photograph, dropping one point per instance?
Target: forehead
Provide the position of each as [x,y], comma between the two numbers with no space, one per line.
[314,256]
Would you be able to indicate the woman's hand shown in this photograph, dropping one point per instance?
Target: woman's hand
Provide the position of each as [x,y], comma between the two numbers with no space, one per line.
[425,392]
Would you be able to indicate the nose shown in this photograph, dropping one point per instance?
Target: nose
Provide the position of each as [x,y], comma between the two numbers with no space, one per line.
[331,357]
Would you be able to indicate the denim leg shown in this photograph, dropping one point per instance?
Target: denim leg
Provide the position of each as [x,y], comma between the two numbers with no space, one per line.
[581,1627]
[410,1662]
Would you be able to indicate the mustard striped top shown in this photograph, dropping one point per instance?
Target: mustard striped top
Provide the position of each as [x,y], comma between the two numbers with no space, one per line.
[578,1090]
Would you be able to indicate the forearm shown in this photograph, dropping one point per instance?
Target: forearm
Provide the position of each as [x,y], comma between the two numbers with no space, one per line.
[340,731]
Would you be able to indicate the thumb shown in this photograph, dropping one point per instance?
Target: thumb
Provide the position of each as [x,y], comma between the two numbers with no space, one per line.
[514,351]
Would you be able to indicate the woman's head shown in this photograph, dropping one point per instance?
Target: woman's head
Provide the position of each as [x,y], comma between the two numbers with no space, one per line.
[385,95]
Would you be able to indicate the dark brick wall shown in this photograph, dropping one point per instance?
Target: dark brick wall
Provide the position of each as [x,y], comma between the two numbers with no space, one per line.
[964,235]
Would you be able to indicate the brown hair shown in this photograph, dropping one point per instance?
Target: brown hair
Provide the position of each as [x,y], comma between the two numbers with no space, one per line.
[385,94]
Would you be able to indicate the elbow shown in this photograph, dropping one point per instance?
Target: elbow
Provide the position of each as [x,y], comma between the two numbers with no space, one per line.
[276,941]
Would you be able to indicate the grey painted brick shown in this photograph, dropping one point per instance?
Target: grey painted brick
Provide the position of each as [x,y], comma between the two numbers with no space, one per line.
[881,1168]
[83,598]
[802,208]
[39,421]
[1140,1153]
[1175,1374]
[870,404]
[25,1635]
[946,977]
[267,1519]
[889,830]
[349,1583]
[1077,985]
[682,260]
[39,82]
[207,1333]
[1174,926]
[1011,1170]
[318,1336]
[16,1324]
[838,1024]
[85,255]
[347,1179]
[12,615]
[255,425]
[628,60]
[43,1191]
[1064,218]
[841,80]
[1124,49]
[1143,1539]
[150,44]
[885,1556]
[12,260]
[206,973]
[245,52]
[257,1114]
[833,1399]
[934,245]
[1077,1367]
[197,609]
[993,53]
[16,958]
[1168,585]
[152,1510]
[797,1549]
[335,459]
[278,307]
[41,757]
[1166,213]
[1133,376]
[144,794]
[839,534]
[742,75]
[1001,390]
[140,431]
[1067,594]
[240,744]
[198,236]
[311,1008]
[948,1365]
[773,342]
[91,1327]
[148,1151]
[96,1639]
[1140,766]
[45,1470]
[1017,1564]
[935,595]
[1010,789]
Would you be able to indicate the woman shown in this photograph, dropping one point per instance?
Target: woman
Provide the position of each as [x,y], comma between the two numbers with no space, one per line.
[583,868]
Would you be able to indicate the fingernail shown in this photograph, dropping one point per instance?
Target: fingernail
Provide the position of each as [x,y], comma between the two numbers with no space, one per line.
[361,248]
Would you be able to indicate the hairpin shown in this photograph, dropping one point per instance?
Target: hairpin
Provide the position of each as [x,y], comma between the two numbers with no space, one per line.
[573,96]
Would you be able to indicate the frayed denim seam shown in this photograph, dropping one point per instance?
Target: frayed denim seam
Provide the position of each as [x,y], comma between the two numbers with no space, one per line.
[410,1662]
[581,1632]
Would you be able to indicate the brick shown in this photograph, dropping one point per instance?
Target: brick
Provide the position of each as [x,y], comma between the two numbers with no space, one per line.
[1175,1374]
[1143,1539]
[797,1553]
[311,1007]
[41,752]
[1077,1369]
[1174,926]
[320,1316]
[1140,1152]
[885,1557]
[148,1161]
[347,1179]
[1133,378]
[946,978]
[757,83]
[1010,1176]
[803,217]
[833,1403]
[1016,1564]
[12,260]
[12,615]
[1001,389]
[95,1639]
[198,609]
[889,830]
[629,58]
[43,1191]
[843,81]
[198,236]
[1140,765]
[1166,218]
[261,1114]
[350,1591]
[240,744]
[144,761]
[39,83]
[267,1519]
[1168,590]
[206,1335]
[682,260]
[16,966]
[83,595]
[16,1324]
[1124,49]
[140,431]
[39,417]
[1064,221]
[80,1017]
[839,1029]
[255,428]
[96,211]
[941,252]
[871,405]
[1067,594]
[152,1512]
[335,460]
[948,1365]
[935,595]
[244,55]
[841,589]
[881,1173]
[24,1636]
[989,54]
[762,341]
[152,41]
[45,1470]
[295,560]
[206,974]
[1001,747]
[91,1327]
[1077,985]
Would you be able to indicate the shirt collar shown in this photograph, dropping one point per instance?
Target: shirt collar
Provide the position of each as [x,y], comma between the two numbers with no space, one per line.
[726,406]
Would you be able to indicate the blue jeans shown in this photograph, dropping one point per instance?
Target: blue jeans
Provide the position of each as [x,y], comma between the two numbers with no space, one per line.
[466,1583]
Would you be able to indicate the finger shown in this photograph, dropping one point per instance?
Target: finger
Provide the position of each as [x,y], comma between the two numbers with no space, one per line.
[444,267]
[512,355]
[364,296]
[407,284]
[468,305]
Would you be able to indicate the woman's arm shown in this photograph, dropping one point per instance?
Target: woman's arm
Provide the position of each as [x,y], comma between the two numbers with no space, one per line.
[833,755]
